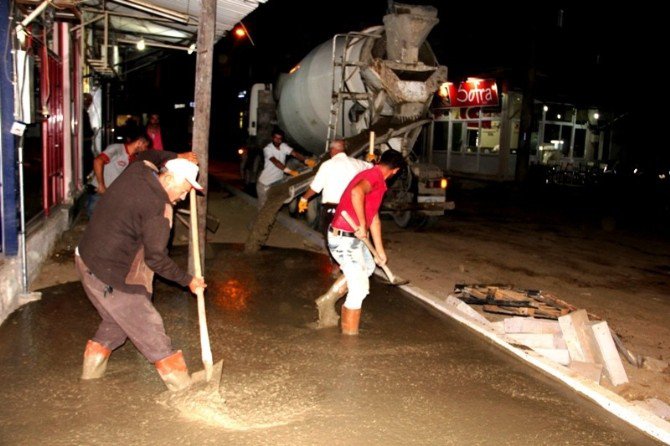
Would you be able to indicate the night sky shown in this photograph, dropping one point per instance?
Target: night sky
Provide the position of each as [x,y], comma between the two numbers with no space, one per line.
[583,54]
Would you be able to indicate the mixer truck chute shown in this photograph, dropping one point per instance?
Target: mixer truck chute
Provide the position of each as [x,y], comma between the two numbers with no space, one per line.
[383,80]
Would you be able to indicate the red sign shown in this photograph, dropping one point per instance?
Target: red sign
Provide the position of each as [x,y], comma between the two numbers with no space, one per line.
[471,93]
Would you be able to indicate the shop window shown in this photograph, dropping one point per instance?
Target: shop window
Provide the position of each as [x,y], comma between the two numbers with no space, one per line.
[566,139]
[534,143]
[472,138]
[490,140]
[32,157]
[580,140]
[440,135]
[457,136]
[551,148]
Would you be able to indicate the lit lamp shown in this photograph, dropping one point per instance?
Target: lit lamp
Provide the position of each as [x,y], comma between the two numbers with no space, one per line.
[141,45]
[241,31]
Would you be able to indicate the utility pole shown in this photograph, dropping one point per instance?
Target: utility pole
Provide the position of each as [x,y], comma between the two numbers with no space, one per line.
[203,108]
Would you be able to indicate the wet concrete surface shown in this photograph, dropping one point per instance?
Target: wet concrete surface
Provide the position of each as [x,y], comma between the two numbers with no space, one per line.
[411,377]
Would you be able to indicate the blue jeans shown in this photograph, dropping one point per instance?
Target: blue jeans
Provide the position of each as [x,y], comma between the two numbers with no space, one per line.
[93,198]
[356,263]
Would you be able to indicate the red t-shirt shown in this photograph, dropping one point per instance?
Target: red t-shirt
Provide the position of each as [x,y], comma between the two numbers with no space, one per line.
[373,199]
[156,138]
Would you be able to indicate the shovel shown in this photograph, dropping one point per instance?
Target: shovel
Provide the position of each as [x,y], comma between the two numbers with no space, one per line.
[210,368]
[393,279]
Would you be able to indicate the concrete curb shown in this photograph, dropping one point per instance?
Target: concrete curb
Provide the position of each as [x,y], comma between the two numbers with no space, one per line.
[636,416]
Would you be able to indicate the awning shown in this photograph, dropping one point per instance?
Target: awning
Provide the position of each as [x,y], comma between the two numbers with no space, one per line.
[159,25]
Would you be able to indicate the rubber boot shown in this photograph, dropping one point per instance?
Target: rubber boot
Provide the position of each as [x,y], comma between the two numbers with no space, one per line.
[350,320]
[328,317]
[173,372]
[95,360]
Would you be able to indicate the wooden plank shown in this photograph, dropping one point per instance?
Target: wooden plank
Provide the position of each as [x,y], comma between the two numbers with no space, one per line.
[588,370]
[533,340]
[517,311]
[577,335]
[609,356]
[530,325]
[510,295]
[466,310]
[555,354]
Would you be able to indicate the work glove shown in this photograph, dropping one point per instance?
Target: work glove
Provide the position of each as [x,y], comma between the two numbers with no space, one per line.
[302,206]
[310,162]
[293,173]
[370,157]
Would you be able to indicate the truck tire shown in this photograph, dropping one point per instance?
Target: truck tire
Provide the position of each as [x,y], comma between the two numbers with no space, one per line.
[403,219]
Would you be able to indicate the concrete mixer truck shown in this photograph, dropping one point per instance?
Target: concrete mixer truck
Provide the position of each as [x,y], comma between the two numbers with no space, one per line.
[379,80]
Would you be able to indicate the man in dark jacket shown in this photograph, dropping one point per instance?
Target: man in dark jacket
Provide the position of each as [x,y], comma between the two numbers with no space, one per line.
[124,244]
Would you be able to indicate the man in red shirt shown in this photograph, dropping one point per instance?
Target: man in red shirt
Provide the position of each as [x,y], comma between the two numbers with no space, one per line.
[154,132]
[361,200]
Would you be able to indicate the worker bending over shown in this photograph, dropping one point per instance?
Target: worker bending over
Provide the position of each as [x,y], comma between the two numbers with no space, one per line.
[361,200]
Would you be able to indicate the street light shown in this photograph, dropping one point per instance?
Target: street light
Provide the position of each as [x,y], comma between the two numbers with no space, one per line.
[241,31]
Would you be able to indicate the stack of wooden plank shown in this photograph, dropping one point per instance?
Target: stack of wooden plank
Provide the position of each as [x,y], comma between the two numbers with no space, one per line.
[571,337]
[504,299]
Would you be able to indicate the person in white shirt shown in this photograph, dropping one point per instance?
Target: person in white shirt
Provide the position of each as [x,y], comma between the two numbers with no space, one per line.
[275,167]
[331,180]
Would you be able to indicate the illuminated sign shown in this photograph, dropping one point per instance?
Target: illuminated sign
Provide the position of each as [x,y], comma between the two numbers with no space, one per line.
[471,93]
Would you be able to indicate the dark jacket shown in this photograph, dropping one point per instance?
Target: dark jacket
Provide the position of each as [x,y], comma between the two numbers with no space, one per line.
[126,240]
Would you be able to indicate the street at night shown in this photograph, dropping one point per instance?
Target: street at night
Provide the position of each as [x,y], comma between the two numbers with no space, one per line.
[350,223]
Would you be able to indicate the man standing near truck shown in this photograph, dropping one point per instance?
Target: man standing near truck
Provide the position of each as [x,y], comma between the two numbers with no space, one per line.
[275,167]
[332,178]
[361,200]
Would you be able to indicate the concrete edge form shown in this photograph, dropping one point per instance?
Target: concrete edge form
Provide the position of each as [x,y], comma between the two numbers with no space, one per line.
[642,419]
[636,416]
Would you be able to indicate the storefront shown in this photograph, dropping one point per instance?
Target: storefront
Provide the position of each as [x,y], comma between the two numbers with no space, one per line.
[475,133]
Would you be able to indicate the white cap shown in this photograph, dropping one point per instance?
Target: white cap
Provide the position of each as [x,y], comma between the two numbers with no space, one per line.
[184,169]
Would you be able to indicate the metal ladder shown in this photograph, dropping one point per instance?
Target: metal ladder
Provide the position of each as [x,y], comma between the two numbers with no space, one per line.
[339,89]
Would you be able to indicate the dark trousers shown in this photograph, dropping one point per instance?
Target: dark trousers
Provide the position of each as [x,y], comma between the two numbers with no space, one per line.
[124,316]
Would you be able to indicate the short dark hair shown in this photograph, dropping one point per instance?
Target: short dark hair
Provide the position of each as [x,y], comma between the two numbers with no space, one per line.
[279,132]
[392,159]
[137,136]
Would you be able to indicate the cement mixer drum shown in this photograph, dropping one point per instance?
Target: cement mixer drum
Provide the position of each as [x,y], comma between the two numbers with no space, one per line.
[389,71]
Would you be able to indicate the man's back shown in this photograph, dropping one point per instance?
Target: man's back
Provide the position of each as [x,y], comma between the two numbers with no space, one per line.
[334,176]
[133,218]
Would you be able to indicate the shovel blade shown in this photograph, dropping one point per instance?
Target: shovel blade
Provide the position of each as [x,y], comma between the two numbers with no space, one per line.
[199,379]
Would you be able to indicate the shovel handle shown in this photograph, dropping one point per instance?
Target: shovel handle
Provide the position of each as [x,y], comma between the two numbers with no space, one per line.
[370,246]
[197,268]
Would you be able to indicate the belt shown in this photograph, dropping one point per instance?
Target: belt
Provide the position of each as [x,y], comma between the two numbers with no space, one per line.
[340,233]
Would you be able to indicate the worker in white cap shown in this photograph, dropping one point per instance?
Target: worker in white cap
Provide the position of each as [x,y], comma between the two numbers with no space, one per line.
[124,244]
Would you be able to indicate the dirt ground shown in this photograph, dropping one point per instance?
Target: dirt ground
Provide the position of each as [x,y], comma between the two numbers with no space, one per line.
[619,273]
